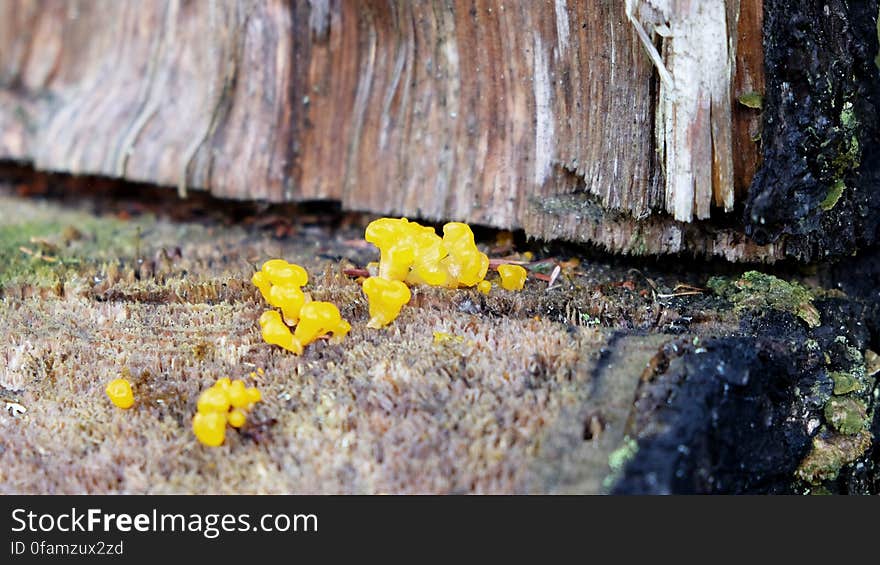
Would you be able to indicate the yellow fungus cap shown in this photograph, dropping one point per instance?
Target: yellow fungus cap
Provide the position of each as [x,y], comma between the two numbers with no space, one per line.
[281,272]
[254,395]
[484,286]
[317,319]
[237,418]
[224,402]
[386,298]
[276,332]
[261,281]
[340,331]
[120,393]
[467,264]
[237,395]
[213,399]
[280,283]
[210,427]
[513,277]
[416,254]
[290,299]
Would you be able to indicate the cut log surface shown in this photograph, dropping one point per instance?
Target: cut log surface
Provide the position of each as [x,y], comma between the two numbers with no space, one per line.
[610,379]
[548,116]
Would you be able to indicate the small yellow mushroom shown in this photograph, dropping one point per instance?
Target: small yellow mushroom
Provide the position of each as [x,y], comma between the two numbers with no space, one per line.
[261,281]
[280,283]
[290,299]
[386,298]
[276,332]
[416,254]
[120,393]
[465,262]
[317,319]
[224,402]
[210,427]
[237,418]
[254,395]
[484,286]
[513,277]
[283,273]
[213,399]
[238,395]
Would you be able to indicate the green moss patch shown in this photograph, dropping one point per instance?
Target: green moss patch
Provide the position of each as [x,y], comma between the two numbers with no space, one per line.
[43,253]
[846,415]
[758,291]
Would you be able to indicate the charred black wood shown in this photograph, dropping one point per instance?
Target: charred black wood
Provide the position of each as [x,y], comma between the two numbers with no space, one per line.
[820,181]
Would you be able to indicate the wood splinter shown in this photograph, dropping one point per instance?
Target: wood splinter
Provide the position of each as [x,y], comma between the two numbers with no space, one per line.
[695,64]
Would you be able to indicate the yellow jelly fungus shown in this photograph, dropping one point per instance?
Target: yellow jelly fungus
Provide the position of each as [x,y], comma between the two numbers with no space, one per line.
[318,319]
[513,277]
[261,281]
[120,393]
[386,298]
[465,262]
[415,254]
[278,273]
[224,402]
[484,286]
[237,395]
[210,427]
[214,399]
[290,299]
[280,283]
[276,332]
[237,418]
[281,272]
[254,395]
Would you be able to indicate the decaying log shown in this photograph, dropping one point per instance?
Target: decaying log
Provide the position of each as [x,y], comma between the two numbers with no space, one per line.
[648,381]
[589,120]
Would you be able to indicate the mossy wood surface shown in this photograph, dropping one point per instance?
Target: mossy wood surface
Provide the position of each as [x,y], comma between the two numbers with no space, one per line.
[622,377]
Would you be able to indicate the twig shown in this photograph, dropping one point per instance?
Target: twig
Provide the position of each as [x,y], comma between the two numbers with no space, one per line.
[356,272]
[683,290]
[493,263]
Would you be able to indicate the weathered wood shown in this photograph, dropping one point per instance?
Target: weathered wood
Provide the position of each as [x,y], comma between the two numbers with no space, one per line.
[481,111]
[748,90]
[694,109]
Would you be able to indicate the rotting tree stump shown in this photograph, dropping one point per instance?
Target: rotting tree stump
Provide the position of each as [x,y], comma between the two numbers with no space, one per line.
[653,380]
[639,125]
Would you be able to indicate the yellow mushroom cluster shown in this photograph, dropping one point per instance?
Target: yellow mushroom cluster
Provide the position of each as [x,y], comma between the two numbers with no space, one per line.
[414,254]
[281,284]
[224,402]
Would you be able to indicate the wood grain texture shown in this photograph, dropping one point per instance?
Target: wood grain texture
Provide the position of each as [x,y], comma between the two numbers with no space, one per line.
[748,80]
[480,111]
